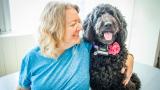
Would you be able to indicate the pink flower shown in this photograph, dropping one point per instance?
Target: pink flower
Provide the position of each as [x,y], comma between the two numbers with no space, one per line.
[114,48]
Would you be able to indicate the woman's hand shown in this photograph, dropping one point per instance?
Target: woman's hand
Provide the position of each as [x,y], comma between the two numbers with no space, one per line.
[129,68]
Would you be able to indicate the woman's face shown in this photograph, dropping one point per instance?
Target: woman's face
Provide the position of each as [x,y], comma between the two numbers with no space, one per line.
[73,27]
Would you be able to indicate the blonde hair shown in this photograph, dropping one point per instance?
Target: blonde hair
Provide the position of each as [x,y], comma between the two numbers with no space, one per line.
[52,27]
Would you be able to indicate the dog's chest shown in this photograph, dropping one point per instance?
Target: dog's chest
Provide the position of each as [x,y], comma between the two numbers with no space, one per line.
[115,62]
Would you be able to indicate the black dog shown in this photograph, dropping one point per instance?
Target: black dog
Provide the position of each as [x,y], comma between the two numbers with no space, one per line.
[105,28]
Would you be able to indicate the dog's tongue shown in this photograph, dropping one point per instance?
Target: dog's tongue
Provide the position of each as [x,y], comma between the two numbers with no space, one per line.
[108,35]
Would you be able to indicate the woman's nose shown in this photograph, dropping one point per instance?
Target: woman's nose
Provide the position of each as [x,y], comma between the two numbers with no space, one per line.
[79,27]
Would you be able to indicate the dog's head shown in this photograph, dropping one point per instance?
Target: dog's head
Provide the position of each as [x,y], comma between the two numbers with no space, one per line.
[105,24]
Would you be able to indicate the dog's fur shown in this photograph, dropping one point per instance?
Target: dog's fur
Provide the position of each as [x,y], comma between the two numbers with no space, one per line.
[105,70]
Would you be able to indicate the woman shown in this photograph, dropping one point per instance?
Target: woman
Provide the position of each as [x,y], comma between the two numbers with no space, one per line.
[61,61]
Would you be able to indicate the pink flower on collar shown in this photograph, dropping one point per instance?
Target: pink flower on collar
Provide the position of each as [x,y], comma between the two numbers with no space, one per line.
[114,48]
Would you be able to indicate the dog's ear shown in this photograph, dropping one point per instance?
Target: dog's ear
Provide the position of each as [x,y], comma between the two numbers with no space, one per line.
[88,26]
[122,24]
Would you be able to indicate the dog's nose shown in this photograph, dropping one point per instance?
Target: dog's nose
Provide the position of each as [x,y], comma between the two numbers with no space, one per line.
[108,25]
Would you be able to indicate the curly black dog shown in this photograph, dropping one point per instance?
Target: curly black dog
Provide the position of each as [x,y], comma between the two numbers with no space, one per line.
[105,28]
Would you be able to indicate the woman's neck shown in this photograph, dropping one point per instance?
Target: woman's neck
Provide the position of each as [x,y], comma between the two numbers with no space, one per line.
[61,48]
[65,45]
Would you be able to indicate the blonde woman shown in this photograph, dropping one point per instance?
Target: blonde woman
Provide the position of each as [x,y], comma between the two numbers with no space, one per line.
[61,61]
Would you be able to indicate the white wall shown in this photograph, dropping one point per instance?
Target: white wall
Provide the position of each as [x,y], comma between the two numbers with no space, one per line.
[145,30]
[12,49]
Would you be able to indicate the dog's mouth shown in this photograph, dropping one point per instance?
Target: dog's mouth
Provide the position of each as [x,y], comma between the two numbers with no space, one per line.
[108,36]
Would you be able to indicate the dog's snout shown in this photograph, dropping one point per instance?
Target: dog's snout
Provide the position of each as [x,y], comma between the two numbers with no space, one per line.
[108,25]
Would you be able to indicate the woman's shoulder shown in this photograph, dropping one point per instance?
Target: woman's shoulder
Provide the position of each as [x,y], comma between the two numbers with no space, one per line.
[36,54]
[83,41]
[85,44]
[31,53]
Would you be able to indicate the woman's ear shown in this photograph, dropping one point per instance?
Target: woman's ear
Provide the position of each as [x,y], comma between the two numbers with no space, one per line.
[88,27]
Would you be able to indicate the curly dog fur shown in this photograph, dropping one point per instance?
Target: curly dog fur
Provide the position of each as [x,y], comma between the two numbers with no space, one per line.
[105,69]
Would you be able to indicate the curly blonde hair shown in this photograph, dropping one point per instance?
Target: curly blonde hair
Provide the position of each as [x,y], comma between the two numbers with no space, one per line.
[52,27]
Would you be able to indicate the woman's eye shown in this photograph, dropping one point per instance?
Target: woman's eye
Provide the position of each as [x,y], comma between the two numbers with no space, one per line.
[72,25]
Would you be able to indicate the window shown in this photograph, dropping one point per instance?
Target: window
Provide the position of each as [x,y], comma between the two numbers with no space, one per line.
[25,14]
[5,25]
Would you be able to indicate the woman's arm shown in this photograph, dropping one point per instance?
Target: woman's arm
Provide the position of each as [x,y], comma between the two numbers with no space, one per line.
[129,68]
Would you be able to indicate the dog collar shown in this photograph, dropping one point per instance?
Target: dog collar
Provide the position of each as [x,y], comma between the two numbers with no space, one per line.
[112,49]
[101,51]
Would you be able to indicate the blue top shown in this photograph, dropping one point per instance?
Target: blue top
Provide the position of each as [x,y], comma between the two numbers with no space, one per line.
[69,72]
